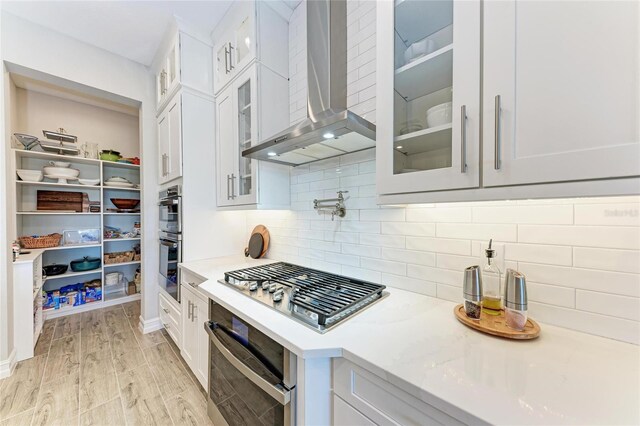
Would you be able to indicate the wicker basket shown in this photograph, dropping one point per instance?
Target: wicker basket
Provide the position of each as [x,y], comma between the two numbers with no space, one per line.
[45,241]
[118,257]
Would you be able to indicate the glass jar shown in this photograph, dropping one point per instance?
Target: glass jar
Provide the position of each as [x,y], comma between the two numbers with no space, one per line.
[492,276]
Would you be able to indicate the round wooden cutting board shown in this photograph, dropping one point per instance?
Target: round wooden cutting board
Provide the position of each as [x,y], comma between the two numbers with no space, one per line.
[264,232]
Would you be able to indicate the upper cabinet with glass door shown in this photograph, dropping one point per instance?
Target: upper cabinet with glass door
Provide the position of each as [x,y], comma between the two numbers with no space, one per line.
[428,95]
[235,41]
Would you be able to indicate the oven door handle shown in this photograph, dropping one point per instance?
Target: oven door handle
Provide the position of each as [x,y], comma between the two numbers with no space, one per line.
[168,243]
[277,392]
[171,202]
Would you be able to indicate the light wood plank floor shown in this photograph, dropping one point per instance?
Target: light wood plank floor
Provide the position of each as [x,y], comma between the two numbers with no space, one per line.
[97,368]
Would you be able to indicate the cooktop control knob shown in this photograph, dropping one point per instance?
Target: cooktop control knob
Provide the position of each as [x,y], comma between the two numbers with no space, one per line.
[272,288]
[277,296]
[253,286]
[265,285]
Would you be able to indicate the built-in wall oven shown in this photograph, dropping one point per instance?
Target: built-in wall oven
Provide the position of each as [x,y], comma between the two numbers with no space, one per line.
[170,239]
[252,378]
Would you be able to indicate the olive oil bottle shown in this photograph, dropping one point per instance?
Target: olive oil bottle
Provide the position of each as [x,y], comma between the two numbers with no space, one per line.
[491,277]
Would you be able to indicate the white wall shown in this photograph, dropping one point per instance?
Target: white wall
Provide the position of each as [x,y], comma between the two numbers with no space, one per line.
[109,129]
[86,68]
[581,256]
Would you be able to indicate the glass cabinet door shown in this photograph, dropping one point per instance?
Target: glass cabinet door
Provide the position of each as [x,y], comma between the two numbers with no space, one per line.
[428,51]
[423,81]
[244,137]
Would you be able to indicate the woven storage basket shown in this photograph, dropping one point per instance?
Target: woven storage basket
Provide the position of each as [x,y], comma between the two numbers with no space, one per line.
[45,241]
[118,257]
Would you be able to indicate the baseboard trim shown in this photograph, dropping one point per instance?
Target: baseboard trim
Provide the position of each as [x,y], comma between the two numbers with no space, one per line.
[8,365]
[147,326]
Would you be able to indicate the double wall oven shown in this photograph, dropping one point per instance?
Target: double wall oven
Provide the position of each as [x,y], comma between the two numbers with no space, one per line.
[170,239]
[252,378]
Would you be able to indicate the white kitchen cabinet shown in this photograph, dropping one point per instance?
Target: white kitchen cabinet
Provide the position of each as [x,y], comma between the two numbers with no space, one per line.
[254,105]
[414,154]
[184,62]
[27,303]
[170,140]
[565,78]
[171,318]
[236,41]
[195,341]
[560,101]
[370,399]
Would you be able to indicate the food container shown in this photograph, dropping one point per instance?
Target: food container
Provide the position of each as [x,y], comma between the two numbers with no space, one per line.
[515,300]
[85,264]
[30,175]
[439,115]
[109,155]
[54,269]
[472,292]
[81,236]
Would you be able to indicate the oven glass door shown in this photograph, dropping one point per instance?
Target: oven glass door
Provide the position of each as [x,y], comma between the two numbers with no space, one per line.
[169,259]
[248,381]
[169,212]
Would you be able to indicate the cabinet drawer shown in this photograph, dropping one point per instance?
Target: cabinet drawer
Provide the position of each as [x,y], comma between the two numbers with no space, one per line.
[381,401]
[171,319]
[346,415]
[189,278]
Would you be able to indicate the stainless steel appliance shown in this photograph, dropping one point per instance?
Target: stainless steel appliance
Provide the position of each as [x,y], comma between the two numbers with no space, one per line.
[170,210]
[170,256]
[252,378]
[318,299]
[170,239]
[330,129]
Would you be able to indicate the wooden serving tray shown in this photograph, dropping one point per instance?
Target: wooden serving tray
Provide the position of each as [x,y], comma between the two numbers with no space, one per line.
[496,325]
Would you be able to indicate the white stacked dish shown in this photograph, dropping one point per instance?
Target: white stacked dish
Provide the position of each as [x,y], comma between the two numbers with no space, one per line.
[61,173]
[439,115]
[30,175]
[90,182]
[118,182]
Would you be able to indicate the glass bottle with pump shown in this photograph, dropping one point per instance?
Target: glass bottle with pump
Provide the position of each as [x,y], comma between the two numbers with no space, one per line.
[491,278]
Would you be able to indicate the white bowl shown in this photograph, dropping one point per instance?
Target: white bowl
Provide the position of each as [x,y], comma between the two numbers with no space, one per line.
[30,175]
[59,164]
[61,171]
[117,179]
[439,115]
[90,182]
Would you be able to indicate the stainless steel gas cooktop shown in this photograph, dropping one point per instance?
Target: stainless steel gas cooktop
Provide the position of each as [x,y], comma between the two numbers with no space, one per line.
[318,299]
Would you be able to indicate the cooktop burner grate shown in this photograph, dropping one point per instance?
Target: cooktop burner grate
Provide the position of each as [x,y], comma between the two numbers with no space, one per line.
[315,295]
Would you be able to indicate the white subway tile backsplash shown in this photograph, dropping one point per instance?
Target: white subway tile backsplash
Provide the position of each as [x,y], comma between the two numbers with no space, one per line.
[410,284]
[414,229]
[439,245]
[581,256]
[618,214]
[609,260]
[409,256]
[608,304]
[586,236]
[553,255]
[448,215]
[548,214]
[477,231]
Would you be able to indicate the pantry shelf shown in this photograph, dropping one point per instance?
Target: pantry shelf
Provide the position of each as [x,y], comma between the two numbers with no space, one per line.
[58,185]
[73,274]
[111,265]
[425,75]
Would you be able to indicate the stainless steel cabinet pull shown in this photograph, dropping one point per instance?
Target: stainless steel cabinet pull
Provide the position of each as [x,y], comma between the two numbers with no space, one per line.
[189,310]
[497,141]
[194,315]
[463,139]
[228,192]
[230,59]
[226,60]
[233,186]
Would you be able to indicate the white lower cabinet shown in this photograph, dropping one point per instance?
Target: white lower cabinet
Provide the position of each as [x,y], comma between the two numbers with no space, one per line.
[27,303]
[363,398]
[171,318]
[195,342]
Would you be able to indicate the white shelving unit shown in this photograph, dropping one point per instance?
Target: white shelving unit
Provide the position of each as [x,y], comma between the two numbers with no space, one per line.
[32,222]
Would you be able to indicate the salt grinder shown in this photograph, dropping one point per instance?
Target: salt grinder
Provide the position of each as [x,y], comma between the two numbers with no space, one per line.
[472,289]
[515,300]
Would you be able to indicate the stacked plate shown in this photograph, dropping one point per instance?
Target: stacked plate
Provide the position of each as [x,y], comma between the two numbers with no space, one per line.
[118,182]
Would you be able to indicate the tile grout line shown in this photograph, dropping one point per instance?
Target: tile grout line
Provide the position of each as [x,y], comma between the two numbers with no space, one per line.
[44,371]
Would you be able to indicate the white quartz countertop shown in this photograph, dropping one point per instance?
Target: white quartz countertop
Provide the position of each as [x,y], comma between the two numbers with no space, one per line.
[415,342]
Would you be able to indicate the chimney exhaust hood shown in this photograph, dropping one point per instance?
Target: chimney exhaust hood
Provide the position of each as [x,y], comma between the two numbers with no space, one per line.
[329,129]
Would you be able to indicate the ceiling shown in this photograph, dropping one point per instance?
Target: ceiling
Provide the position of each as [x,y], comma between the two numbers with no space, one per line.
[133,29]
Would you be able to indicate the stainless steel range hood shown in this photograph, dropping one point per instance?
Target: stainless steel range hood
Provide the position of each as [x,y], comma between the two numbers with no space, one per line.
[329,129]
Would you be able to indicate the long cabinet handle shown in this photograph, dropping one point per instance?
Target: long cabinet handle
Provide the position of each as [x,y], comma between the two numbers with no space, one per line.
[228,192]
[497,141]
[194,314]
[463,139]
[227,58]
[233,186]
[230,58]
